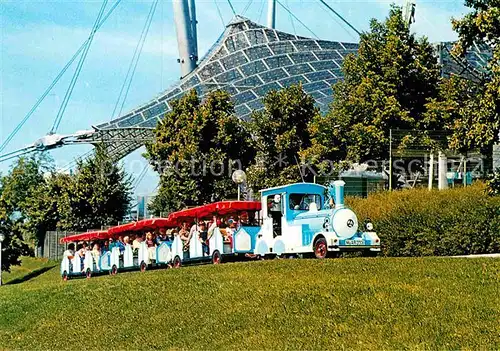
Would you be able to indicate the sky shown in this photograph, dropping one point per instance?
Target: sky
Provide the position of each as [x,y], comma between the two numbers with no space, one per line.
[37,38]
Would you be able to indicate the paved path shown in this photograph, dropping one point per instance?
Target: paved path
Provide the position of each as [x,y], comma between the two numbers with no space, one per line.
[495,255]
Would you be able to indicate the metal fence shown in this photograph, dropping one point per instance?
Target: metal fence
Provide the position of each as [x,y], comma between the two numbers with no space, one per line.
[52,248]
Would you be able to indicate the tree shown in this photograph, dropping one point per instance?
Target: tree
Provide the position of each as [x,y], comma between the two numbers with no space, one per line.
[17,190]
[196,147]
[386,86]
[478,125]
[280,134]
[98,194]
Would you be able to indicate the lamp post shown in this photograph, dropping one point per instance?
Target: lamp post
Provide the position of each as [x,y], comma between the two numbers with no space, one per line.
[239,177]
[2,237]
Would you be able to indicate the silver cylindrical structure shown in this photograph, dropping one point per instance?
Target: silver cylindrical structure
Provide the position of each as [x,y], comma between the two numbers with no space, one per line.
[271,13]
[183,28]
[442,170]
[194,32]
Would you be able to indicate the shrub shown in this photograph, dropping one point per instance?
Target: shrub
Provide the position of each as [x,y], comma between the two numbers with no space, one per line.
[494,184]
[419,222]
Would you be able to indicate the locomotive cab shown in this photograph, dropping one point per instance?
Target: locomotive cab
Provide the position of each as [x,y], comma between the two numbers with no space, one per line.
[306,218]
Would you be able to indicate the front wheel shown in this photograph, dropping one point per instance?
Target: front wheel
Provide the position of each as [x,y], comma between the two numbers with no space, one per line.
[143,266]
[113,270]
[177,262]
[216,257]
[65,276]
[320,248]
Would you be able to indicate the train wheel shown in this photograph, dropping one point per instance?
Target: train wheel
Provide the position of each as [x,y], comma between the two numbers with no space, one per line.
[113,270]
[88,273]
[65,276]
[177,262]
[216,257]
[320,248]
[143,266]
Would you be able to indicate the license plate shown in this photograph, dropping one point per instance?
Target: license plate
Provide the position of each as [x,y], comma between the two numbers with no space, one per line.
[354,242]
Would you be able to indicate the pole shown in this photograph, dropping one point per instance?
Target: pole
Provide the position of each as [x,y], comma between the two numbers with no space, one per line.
[194,31]
[464,180]
[183,28]
[271,13]
[431,170]
[239,192]
[390,159]
[0,263]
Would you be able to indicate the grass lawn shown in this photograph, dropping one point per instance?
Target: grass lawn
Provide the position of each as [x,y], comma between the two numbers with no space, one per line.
[350,303]
[30,266]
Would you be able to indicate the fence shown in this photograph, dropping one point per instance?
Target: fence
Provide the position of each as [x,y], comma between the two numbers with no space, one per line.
[52,248]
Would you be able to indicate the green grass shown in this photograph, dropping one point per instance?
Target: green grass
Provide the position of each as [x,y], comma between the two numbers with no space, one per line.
[29,267]
[357,303]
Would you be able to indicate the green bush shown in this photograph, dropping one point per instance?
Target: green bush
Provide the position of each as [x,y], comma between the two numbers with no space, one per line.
[494,184]
[420,222]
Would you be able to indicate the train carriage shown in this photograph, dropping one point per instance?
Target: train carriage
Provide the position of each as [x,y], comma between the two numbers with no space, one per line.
[218,248]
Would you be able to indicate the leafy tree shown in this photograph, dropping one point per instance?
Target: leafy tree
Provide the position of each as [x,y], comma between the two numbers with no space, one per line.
[194,149]
[17,189]
[280,133]
[386,86]
[98,194]
[479,124]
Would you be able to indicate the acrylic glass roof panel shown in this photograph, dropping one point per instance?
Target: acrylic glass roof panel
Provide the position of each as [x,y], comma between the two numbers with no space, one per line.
[248,60]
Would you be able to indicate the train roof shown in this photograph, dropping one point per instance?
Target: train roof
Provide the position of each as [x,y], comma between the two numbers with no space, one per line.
[101,234]
[216,208]
[295,187]
[145,224]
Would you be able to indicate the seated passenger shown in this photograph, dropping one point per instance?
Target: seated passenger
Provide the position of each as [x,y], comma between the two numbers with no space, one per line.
[105,247]
[96,252]
[120,244]
[70,252]
[230,230]
[184,235]
[81,249]
[137,243]
[203,236]
[215,223]
[150,243]
[126,240]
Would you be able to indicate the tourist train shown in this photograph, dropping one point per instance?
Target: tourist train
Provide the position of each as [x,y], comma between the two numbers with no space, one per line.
[295,220]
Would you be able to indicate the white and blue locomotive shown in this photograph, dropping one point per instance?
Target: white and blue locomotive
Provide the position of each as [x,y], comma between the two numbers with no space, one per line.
[306,218]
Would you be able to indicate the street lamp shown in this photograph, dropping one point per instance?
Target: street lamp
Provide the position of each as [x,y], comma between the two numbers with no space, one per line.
[2,237]
[239,177]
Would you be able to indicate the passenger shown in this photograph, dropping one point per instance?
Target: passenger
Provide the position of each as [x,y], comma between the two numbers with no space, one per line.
[105,247]
[150,243]
[203,236]
[112,244]
[120,245]
[96,252]
[184,235]
[161,236]
[230,230]
[136,244]
[126,240]
[81,254]
[70,252]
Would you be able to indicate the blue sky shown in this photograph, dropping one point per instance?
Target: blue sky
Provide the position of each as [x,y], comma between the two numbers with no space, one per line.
[37,38]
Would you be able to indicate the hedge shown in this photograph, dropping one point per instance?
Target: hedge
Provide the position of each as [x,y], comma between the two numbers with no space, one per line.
[419,222]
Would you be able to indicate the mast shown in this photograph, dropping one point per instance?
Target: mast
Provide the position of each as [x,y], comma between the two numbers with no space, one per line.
[271,13]
[194,22]
[185,38]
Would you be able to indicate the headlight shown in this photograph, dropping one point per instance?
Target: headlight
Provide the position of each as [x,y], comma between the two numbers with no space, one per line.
[369,226]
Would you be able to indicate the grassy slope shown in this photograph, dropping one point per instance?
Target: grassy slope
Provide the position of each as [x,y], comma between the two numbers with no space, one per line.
[29,266]
[383,303]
